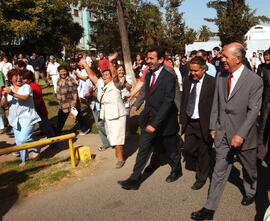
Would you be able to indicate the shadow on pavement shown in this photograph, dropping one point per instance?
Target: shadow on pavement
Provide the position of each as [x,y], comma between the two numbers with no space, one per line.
[51,151]
[9,182]
[4,144]
[235,179]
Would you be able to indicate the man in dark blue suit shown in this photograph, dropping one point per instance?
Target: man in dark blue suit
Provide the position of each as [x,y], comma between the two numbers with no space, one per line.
[158,120]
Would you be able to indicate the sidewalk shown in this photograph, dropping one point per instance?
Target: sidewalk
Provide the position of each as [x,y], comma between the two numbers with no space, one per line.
[98,197]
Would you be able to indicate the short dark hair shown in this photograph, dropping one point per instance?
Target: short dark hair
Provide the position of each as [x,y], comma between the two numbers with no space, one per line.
[121,65]
[61,67]
[13,72]
[171,60]
[73,60]
[199,61]
[267,52]
[160,51]
[107,70]
[29,75]
[193,52]
[216,49]
[204,53]
[21,64]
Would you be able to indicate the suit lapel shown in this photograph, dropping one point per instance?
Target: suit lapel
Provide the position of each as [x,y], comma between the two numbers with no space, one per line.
[225,84]
[147,82]
[188,83]
[204,88]
[239,83]
[158,81]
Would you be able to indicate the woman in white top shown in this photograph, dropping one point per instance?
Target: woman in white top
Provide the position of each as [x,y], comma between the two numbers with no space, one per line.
[112,109]
[22,114]
[125,85]
[5,68]
[178,74]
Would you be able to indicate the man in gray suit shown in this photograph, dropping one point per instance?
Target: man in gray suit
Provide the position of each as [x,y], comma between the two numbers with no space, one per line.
[236,104]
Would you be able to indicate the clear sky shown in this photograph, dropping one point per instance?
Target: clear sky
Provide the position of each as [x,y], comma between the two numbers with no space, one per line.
[196,10]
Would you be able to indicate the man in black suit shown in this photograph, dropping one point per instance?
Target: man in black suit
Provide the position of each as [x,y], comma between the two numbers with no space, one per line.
[264,130]
[262,66]
[184,69]
[195,113]
[158,120]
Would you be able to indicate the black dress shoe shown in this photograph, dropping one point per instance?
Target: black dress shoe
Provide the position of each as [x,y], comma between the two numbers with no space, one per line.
[173,176]
[203,214]
[247,200]
[197,185]
[151,168]
[130,184]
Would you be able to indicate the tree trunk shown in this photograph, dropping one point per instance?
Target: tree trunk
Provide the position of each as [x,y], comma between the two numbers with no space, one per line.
[124,42]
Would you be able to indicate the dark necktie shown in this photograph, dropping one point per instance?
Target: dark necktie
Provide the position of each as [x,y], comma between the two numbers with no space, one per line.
[191,100]
[153,82]
[229,83]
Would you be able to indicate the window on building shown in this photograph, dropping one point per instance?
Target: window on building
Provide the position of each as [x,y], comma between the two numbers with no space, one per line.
[76,13]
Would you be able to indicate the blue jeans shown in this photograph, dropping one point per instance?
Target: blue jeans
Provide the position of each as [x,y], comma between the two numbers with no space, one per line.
[128,112]
[22,136]
[47,129]
[101,129]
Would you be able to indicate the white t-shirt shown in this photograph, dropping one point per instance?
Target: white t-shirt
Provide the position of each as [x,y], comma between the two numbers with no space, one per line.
[6,68]
[52,68]
[30,68]
[125,92]
[88,61]
[1,65]
[179,76]
[22,111]
[82,83]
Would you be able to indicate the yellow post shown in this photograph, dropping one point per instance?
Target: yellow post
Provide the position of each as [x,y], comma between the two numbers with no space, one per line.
[42,143]
[70,145]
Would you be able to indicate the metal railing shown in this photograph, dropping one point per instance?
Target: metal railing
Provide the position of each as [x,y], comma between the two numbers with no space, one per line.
[68,137]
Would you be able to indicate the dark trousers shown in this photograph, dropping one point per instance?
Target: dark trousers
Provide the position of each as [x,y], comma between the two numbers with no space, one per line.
[264,133]
[62,117]
[148,141]
[197,150]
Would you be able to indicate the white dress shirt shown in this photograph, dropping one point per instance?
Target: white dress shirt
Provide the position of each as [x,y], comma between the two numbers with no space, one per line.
[52,68]
[195,114]
[156,75]
[235,77]
[30,68]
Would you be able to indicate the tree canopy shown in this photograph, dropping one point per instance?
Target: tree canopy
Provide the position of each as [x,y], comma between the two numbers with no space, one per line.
[176,33]
[44,26]
[145,23]
[234,19]
[205,33]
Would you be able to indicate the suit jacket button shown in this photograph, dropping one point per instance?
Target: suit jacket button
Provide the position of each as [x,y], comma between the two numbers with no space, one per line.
[226,111]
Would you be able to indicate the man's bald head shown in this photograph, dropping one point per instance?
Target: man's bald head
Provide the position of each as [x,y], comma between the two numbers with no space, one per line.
[232,55]
[237,49]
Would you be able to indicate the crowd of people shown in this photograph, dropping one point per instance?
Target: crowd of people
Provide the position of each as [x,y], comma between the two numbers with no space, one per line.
[220,101]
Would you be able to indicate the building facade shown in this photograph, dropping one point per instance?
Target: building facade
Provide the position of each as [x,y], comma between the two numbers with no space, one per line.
[87,20]
[258,40]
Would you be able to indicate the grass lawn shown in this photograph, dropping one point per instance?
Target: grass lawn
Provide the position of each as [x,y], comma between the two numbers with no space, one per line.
[38,175]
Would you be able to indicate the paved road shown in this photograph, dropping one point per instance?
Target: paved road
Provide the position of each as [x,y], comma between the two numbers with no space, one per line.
[98,197]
